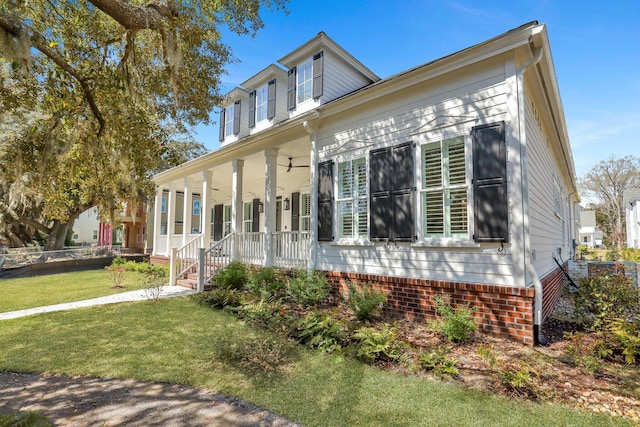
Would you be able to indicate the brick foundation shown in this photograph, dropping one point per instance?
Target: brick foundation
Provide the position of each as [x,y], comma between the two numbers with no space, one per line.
[552,285]
[500,310]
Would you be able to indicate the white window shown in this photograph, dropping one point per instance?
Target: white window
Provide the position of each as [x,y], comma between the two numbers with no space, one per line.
[75,236]
[226,220]
[163,205]
[352,199]
[228,120]
[95,235]
[196,207]
[305,212]
[262,98]
[305,81]
[247,217]
[444,189]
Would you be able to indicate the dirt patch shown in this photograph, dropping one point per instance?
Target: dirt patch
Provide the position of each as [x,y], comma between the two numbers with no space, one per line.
[86,401]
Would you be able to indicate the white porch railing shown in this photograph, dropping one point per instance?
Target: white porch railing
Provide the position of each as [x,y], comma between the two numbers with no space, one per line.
[218,256]
[185,258]
[291,249]
[251,248]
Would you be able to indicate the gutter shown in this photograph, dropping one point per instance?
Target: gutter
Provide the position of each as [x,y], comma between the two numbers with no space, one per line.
[538,338]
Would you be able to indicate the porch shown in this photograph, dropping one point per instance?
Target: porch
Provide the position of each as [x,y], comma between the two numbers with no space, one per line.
[194,265]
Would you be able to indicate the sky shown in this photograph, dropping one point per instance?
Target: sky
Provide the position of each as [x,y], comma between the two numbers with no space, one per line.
[595,47]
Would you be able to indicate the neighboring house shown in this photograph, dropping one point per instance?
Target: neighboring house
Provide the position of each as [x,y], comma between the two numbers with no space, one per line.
[454,177]
[130,233]
[589,234]
[85,227]
[631,200]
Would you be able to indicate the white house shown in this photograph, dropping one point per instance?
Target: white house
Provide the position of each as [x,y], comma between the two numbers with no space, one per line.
[85,227]
[455,176]
[631,199]
[589,234]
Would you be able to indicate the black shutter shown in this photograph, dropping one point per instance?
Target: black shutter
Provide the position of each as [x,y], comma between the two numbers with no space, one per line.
[236,117]
[222,118]
[217,222]
[491,208]
[325,201]
[391,187]
[291,89]
[252,108]
[295,211]
[317,75]
[403,192]
[255,224]
[380,183]
[271,99]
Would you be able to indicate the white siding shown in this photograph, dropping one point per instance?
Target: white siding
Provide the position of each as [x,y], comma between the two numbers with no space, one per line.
[395,119]
[339,79]
[633,226]
[85,225]
[549,209]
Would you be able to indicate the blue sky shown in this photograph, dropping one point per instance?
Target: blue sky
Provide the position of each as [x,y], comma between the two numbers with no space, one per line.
[595,47]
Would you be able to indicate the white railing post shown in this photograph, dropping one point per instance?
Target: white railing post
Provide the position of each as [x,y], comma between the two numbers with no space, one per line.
[172,266]
[201,267]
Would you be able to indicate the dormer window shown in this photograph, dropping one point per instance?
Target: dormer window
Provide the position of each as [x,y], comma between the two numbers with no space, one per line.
[228,120]
[305,81]
[261,104]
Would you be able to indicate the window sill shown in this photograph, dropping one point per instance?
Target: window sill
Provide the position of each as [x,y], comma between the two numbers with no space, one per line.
[349,242]
[445,243]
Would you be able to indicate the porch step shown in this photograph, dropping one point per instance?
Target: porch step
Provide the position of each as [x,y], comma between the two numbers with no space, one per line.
[188,283]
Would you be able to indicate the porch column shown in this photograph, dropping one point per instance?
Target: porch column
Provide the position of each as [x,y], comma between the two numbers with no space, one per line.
[270,195]
[186,210]
[205,209]
[157,216]
[313,178]
[236,204]
[171,215]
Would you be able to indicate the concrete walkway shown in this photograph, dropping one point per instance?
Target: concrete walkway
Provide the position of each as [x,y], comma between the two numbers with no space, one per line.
[138,295]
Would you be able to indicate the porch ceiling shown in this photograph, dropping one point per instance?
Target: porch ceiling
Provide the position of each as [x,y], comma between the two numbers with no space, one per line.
[254,172]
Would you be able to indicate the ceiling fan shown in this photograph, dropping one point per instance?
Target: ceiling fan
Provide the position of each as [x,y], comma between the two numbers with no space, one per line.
[291,166]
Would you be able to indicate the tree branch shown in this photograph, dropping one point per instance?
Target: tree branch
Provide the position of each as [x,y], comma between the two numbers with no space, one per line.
[149,17]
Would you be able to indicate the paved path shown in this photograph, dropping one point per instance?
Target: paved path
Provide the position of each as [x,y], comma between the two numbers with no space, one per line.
[140,294]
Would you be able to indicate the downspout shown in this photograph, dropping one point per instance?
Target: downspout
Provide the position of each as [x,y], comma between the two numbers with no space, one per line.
[538,338]
[313,163]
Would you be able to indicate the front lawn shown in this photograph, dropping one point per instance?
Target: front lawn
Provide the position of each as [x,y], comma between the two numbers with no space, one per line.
[28,292]
[181,341]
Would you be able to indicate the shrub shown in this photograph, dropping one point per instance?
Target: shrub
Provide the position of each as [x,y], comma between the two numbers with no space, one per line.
[439,363]
[627,334]
[630,255]
[266,314]
[380,344]
[364,301]
[26,419]
[221,297]
[233,276]
[322,331]
[582,251]
[520,379]
[613,254]
[587,351]
[266,282]
[454,323]
[261,354]
[308,288]
[602,298]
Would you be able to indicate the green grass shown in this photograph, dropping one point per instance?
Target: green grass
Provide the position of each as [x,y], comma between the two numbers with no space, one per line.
[179,341]
[29,292]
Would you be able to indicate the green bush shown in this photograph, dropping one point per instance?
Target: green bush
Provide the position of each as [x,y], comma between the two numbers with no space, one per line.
[602,298]
[233,276]
[582,251]
[380,344]
[221,297]
[364,301]
[25,419]
[613,255]
[454,323]
[587,351]
[308,288]
[266,282]
[322,331]
[630,255]
[259,354]
[627,334]
[439,363]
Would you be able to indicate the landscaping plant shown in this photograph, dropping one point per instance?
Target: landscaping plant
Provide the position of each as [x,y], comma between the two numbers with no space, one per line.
[438,362]
[266,282]
[308,288]
[364,301]
[233,276]
[454,323]
[322,331]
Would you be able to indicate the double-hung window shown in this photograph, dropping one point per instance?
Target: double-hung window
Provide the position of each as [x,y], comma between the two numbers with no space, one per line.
[226,220]
[352,199]
[262,98]
[305,81]
[228,120]
[247,217]
[305,212]
[444,189]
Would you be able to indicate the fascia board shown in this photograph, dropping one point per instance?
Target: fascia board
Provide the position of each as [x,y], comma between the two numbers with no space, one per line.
[268,73]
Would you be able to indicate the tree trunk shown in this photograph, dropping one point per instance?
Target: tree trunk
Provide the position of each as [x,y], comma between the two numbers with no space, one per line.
[57,236]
